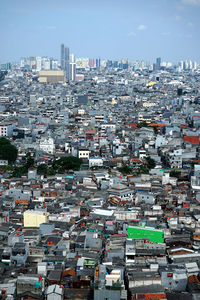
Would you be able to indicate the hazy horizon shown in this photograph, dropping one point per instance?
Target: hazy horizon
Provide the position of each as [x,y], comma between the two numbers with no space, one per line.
[137,30]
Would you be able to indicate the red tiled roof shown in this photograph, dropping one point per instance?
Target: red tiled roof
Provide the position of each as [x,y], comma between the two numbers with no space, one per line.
[90,131]
[155,296]
[135,159]
[132,125]
[117,159]
[156,125]
[184,126]
[194,140]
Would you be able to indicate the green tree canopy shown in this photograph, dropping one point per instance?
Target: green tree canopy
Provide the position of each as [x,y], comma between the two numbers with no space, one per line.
[142,124]
[42,169]
[7,150]
[29,162]
[175,173]
[125,170]
[67,163]
[151,162]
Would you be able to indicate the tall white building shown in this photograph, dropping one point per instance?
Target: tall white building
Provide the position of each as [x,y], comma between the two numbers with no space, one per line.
[72,58]
[72,71]
[54,64]
[38,63]
[46,64]
[32,60]
[22,62]
[190,65]
[195,65]
[186,65]
[180,64]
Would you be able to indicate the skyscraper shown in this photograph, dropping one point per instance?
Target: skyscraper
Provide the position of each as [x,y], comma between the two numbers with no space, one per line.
[65,61]
[158,63]
[72,67]
[98,63]
[72,71]
[72,58]
[62,55]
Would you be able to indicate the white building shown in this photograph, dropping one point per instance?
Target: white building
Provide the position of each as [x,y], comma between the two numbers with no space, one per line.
[47,145]
[175,159]
[72,67]
[83,153]
[38,63]
[46,64]
[160,141]
[117,147]
[111,126]
[95,162]
[6,129]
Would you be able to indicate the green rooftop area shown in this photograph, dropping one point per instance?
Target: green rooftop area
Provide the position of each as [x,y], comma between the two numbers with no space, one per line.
[154,235]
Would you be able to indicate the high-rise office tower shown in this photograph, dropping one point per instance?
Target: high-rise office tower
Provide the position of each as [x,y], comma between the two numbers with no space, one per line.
[72,58]
[72,67]
[190,65]
[91,62]
[38,63]
[158,62]
[67,71]
[98,63]
[72,71]
[185,65]
[65,61]
[62,55]
[181,65]
[195,65]
[142,65]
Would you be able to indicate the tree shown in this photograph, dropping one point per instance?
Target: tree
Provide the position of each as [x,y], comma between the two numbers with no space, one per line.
[42,169]
[29,161]
[67,163]
[142,124]
[191,124]
[19,171]
[143,170]
[51,171]
[175,173]
[125,170]
[7,150]
[151,162]
[155,129]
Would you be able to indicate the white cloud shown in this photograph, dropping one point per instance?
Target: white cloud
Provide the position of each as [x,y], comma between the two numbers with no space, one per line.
[142,27]
[190,24]
[131,33]
[188,36]
[166,33]
[191,2]
[180,8]
[177,18]
[51,27]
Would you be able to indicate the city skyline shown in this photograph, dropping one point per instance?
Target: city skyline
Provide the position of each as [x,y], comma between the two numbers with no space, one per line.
[109,29]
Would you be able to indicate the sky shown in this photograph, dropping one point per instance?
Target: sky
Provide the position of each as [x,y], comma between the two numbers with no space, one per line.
[110,29]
